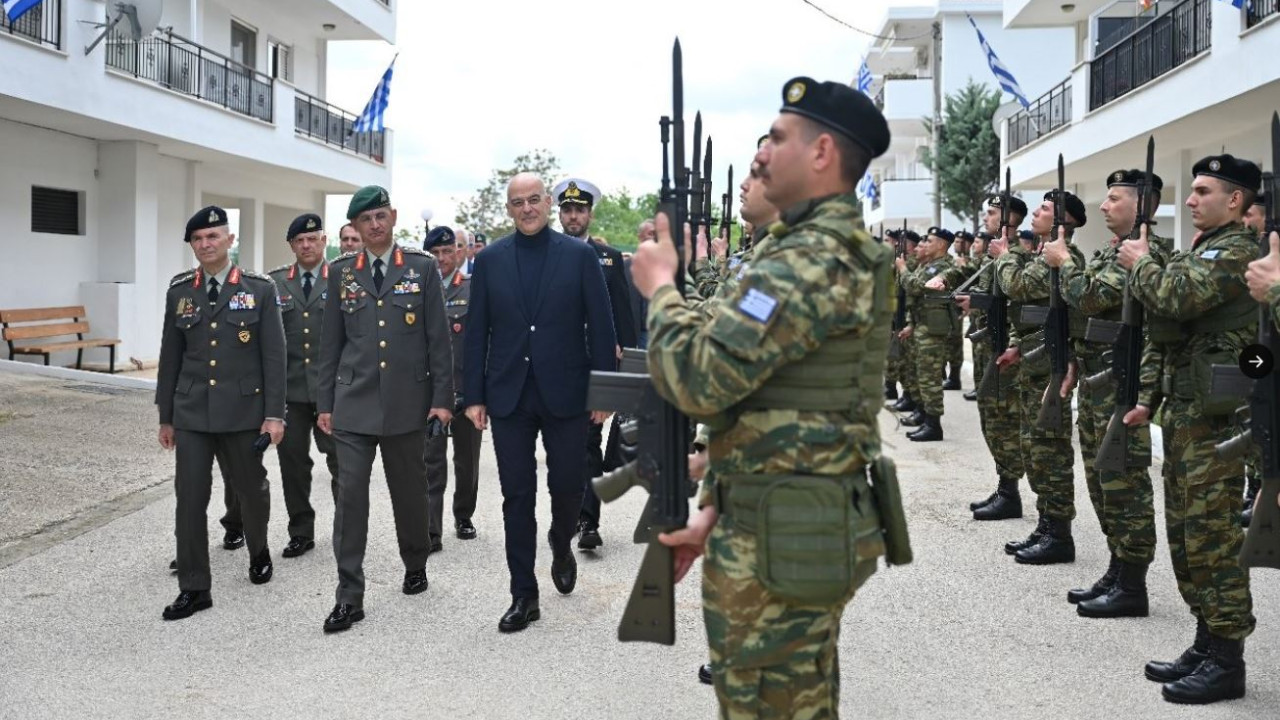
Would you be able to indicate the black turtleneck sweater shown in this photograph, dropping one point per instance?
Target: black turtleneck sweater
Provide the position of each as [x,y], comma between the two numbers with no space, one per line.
[531,257]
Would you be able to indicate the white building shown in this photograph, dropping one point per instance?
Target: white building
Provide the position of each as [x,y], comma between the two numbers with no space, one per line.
[107,153]
[903,68]
[1199,75]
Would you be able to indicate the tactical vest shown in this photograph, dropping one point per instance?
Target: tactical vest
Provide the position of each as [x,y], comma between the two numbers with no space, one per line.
[1235,314]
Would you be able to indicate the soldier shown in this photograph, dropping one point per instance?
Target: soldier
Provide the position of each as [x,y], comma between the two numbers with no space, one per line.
[955,341]
[449,251]
[386,376]
[349,240]
[933,324]
[905,367]
[219,313]
[818,291]
[1199,313]
[978,260]
[302,293]
[1255,219]
[1123,502]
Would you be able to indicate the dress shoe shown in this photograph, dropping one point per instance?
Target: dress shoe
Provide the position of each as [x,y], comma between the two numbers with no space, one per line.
[465,530]
[415,582]
[1055,546]
[704,674]
[1221,677]
[904,404]
[916,419]
[297,546]
[343,617]
[1190,659]
[517,617]
[1099,588]
[930,430]
[260,568]
[233,540]
[435,546]
[1013,546]
[589,538]
[890,390]
[188,603]
[1127,596]
[971,395]
[564,572]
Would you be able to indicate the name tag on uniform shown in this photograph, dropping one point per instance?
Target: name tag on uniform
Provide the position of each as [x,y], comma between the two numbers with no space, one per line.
[757,305]
[1210,254]
[242,301]
[455,303]
[406,288]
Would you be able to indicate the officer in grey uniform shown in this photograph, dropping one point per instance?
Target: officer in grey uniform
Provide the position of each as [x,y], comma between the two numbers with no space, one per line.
[302,289]
[386,376]
[449,252]
[219,388]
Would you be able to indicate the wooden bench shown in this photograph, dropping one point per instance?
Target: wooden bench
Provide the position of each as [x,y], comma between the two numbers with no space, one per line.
[66,321]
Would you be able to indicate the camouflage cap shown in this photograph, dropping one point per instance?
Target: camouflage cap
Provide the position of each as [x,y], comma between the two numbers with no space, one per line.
[369,197]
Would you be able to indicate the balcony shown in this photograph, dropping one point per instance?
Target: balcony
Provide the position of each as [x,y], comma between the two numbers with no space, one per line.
[1050,112]
[1151,51]
[907,197]
[41,24]
[316,119]
[907,103]
[1258,10]
[177,64]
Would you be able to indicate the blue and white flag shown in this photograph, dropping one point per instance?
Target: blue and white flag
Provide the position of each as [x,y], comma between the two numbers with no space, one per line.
[867,189]
[1236,3]
[1003,76]
[371,119]
[864,78]
[15,8]
[867,186]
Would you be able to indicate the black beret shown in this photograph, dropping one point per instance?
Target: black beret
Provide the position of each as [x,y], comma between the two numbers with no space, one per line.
[984,236]
[309,222]
[369,197]
[964,235]
[1244,173]
[912,236]
[1016,204]
[1133,178]
[439,235]
[1026,236]
[205,218]
[946,235]
[1072,206]
[840,108]
[479,238]
[892,233]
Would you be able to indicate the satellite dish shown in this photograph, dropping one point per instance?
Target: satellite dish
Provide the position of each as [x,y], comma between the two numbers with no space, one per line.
[140,18]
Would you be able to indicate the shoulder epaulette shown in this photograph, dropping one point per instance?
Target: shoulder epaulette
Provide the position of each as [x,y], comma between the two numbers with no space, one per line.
[345,256]
[282,268]
[414,250]
[255,274]
[182,277]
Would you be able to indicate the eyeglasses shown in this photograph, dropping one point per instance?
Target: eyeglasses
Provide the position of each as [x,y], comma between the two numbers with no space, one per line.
[519,203]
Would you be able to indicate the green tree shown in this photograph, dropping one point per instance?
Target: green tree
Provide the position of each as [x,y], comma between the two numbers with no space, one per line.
[967,159]
[617,217]
[486,211]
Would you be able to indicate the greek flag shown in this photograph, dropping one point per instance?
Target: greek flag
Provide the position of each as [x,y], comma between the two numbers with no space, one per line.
[15,8]
[864,78]
[1003,76]
[1236,3]
[371,119]
[866,186]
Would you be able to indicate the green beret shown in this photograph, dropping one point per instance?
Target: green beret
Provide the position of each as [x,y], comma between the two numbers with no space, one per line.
[840,108]
[369,197]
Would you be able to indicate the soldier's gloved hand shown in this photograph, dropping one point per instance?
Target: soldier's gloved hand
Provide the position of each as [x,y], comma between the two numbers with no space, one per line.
[1139,415]
[1264,273]
[324,421]
[166,437]
[275,429]
[689,542]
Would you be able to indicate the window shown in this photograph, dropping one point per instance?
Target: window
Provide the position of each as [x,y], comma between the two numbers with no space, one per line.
[60,212]
[279,61]
[244,45]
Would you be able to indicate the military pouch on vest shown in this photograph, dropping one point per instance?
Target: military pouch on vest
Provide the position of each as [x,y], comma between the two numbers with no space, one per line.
[893,517]
[1202,373]
[940,320]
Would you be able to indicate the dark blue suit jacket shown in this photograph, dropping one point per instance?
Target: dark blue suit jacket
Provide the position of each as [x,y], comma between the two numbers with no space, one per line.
[561,339]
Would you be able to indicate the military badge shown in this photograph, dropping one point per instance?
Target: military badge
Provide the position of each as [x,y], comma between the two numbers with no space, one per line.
[1118,177]
[757,305]
[573,191]
[242,301]
[457,327]
[283,300]
[410,318]
[1215,166]
[311,224]
[412,274]
[606,261]
[185,308]
[795,93]
[244,336]
[406,288]
[213,216]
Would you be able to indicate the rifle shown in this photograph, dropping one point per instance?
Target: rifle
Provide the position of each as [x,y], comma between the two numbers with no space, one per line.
[726,215]
[662,431]
[1056,325]
[996,305]
[706,194]
[1126,354]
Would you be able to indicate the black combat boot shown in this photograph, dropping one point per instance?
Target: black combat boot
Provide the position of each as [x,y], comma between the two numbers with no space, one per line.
[971,395]
[1014,546]
[1250,497]
[953,380]
[1056,546]
[916,419]
[1099,588]
[1126,598]
[1007,504]
[1221,677]
[905,404]
[930,431]
[983,503]
[890,390]
[1167,672]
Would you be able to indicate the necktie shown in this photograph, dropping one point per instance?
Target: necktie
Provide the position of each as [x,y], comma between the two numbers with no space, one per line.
[213,290]
[377,274]
[306,285]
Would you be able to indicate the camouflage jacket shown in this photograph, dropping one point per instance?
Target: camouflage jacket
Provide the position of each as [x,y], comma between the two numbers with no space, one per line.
[1008,272]
[803,286]
[1273,299]
[914,283]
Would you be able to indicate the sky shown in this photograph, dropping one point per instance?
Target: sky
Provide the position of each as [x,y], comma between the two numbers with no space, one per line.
[480,82]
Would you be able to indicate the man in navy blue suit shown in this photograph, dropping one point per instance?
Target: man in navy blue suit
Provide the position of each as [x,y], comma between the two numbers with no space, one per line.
[540,323]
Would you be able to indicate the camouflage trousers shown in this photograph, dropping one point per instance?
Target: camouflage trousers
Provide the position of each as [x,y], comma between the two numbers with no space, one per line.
[893,367]
[1124,502]
[910,378]
[1047,455]
[955,351]
[981,356]
[1001,418]
[1202,506]
[931,352]
[770,659]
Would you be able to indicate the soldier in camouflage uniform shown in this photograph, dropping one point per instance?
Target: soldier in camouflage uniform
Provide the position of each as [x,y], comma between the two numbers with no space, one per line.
[905,368]
[1199,313]
[978,259]
[933,324]
[817,291]
[1046,453]
[1255,219]
[955,343]
[1123,501]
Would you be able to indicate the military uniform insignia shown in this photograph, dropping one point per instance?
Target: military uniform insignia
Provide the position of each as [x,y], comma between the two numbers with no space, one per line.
[606,261]
[1118,177]
[311,224]
[455,303]
[412,274]
[406,288]
[410,318]
[360,261]
[242,301]
[244,336]
[398,257]
[1215,166]
[758,305]
[795,93]
[283,300]
[573,191]
[186,308]
[457,327]
[742,270]
[1210,254]
[213,216]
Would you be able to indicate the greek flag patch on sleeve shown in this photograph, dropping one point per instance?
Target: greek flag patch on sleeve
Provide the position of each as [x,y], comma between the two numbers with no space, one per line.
[757,305]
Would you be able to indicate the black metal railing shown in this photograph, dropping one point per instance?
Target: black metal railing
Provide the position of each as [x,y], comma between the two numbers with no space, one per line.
[1259,10]
[1151,51]
[41,24]
[1048,113]
[315,118]
[178,64]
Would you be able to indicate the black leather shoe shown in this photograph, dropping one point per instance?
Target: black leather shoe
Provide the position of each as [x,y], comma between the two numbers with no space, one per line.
[1221,677]
[1127,596]
[435,546]
[517,617]
[260,568]
[173,566]
[1013,546]
[465,530]
[1100,587]
[233,540]
[589,538]
[297,547]
[414,582]
[1006,506]
[916,419]
[188,604]
[564,573]
[1055,546]
[971,396]
[343,617]
[704,674]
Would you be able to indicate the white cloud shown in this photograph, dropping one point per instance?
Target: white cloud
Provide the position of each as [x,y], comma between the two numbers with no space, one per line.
[479,82]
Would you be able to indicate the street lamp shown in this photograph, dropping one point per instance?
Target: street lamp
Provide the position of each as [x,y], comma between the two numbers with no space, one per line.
[426,219]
